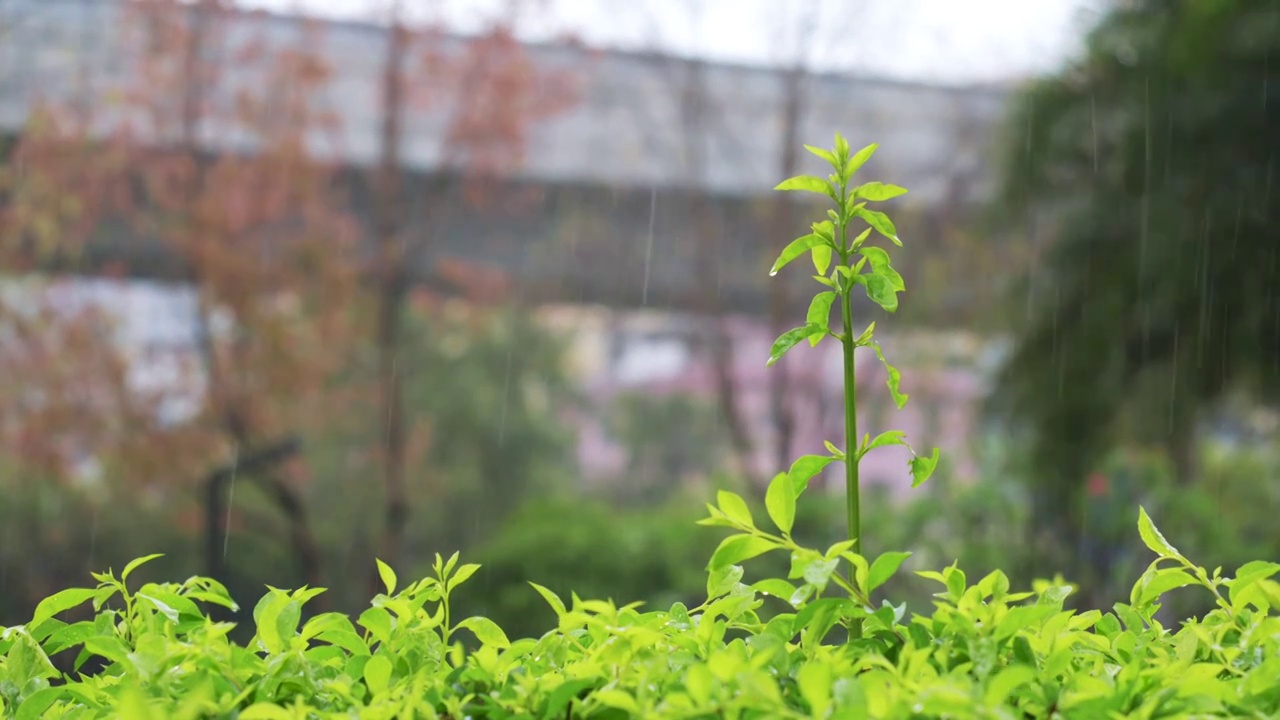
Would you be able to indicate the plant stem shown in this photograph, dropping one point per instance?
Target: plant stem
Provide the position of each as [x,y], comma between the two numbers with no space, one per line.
[853,501]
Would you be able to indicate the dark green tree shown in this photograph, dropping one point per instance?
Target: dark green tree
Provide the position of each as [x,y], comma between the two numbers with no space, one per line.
[1149,163]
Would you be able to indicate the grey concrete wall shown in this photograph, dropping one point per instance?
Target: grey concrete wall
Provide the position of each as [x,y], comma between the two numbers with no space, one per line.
[612,170]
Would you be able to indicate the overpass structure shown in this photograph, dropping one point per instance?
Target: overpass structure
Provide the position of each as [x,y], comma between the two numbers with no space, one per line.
[610,221]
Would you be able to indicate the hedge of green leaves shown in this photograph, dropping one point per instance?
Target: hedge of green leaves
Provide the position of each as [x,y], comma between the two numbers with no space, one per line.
[985,652]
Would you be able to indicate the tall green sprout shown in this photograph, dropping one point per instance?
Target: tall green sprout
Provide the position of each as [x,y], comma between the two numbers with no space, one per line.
[856,264]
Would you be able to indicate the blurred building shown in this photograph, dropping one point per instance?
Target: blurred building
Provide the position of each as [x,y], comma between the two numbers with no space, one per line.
[612,187]
[608,217]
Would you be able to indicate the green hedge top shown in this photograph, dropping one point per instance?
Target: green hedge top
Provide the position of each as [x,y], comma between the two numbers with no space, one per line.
[760,650]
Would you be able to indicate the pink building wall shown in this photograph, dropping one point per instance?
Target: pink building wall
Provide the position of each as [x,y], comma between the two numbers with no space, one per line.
[658,353]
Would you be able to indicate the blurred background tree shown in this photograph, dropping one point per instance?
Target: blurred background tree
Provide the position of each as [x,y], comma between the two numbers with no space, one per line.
[1148,166]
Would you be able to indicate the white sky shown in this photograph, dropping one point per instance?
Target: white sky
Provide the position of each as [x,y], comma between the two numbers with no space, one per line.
[942,41]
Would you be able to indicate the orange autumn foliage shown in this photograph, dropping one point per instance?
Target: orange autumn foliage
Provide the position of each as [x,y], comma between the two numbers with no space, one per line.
[263,237]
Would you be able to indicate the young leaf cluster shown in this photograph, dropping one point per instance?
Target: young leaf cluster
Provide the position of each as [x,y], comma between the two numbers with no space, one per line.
[843,261]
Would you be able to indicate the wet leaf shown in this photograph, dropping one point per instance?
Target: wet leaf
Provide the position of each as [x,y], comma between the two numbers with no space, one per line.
[884,568]
[804,468]
[795,249]
[878,191]
[486,631]
[922,467]
[780,501]
[819,315]
[1153,538]
[790,339]
[806,183]
[388,576]
[737,548]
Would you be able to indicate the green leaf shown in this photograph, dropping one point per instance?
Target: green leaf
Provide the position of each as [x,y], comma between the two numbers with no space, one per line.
[880,265]
[715,518]
[161,606]
[790,339]
[883,568]
[857,244]
[824,154]
[776,587]
[923,467]
[264,711]
[955,580]
[1022,617]
[895,377]
[388,576]
[552,599]
[735,508]
[618,699]
[60,601]
[865,338]
[881,291]
[377,674]
[1153,537]
[821,258]
[1248,575]
[795,249]
[817,572]
[266,615]
[886,438]
[817,618]
[878,191]
[780,501]
[841,147]
[804,468]
[135,564]
[35,705]
[826,229]
[880,222]
[486,631]
[1152,585]
[722,580]
[699,683]
[814,682]
[1055,594]
[819,314]
[806,183]
[859,159]
[462,574]
[737,548]
[330,624]
[1006,681]
[378,622]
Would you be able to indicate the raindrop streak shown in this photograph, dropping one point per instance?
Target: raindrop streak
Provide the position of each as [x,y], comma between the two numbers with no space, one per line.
[648,247]
[395,369]
[1235,233]
[93,537]
[1058,348]
[1093,123]
[231,500]
[1173,382]
[506,394]
[1206,290]
[1146,181]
